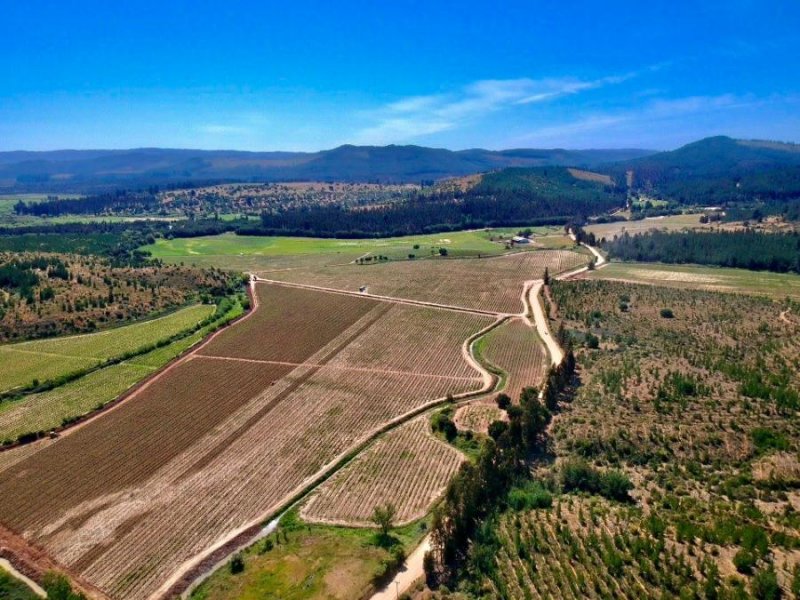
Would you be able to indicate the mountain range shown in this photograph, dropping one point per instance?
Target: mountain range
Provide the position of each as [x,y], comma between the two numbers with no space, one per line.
[83,170]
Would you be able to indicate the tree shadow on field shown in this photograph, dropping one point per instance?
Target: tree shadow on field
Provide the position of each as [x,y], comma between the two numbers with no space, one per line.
[387,541]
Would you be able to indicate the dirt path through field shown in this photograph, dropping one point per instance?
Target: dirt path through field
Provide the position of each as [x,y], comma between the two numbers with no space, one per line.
[541,323]
[412,571]
[339,367]
[473,311]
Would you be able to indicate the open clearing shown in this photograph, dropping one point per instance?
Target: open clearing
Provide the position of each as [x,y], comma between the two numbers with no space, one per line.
[777,285]
[48,359]
[667,223]
[224,437]
[208,250]
[408,467]
[307,561]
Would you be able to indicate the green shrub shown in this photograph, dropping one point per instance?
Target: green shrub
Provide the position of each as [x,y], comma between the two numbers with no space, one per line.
[503,401]
[236,565]
[767,439]
[666,313]
[764,585]
[58,587]
[744,561]
[578,475]
[531,495]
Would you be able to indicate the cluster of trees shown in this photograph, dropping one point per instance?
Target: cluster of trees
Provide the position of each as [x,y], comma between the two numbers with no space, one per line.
[120,242]
[578,475]
[747,249]
[21,276]
[480,490]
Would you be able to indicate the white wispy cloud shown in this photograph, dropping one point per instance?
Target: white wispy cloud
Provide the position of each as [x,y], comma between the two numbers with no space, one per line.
[647,119]
[416,116]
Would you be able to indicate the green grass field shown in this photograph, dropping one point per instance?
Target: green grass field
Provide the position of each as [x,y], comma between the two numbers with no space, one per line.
[460,243]
[307,562]
[48,359]
[776,285]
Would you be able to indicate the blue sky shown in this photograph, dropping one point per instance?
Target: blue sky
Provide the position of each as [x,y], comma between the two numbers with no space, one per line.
[306,75]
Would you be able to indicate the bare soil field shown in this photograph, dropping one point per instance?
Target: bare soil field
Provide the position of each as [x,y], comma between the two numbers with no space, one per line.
[478,415]
[491,284]
[220,440]
[408,467]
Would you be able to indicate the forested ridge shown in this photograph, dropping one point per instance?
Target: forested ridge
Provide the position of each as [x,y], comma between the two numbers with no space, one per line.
[747,249]
[511,197]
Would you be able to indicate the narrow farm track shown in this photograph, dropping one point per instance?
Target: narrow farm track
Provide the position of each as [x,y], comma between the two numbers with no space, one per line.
[343,368]
[380,298]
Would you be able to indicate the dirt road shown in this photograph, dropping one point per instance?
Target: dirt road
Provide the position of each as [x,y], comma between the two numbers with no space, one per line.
[411,573]
[542,324]
[9,568]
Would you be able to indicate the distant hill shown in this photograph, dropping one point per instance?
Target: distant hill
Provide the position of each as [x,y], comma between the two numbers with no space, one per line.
[719,169]
[83,170]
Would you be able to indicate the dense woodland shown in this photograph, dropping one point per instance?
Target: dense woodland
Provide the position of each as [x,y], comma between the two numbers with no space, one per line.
[119,202]
[511,197]
[720,171]
[779,252]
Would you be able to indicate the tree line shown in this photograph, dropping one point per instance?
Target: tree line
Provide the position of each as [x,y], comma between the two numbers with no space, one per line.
[480,490]
[746,249]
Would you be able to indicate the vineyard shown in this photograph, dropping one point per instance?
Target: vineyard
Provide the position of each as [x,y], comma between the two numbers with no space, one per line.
[408,468]
[225,436]
[516,350]
[492,284]
[42,360]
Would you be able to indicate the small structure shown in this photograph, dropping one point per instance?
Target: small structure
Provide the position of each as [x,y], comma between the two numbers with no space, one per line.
[518,239]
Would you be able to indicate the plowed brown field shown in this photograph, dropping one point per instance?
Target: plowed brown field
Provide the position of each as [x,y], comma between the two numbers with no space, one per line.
[491,284]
